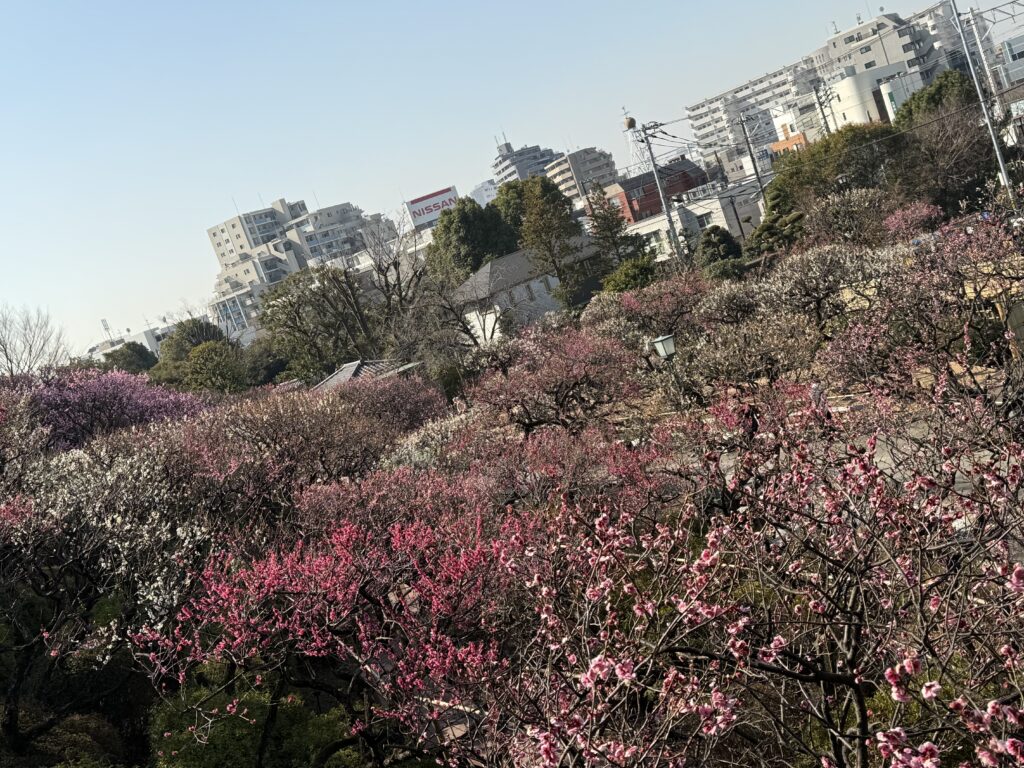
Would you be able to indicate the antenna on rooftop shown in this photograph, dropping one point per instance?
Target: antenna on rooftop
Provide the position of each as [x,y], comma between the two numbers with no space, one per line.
[835,29]
[106,329]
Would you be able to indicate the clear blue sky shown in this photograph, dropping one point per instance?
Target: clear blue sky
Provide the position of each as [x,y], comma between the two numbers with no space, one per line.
[128,127]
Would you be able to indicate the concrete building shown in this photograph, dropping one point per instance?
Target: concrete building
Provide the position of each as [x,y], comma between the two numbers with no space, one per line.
[869,70]
[1011,61]
[860,75]
[258,249]
[149,338]
[637,197]
[736,207]
[717,124]
[575,172]
[522,163]
[484,192]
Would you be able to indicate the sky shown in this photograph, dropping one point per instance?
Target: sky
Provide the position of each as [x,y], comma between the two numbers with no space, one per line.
[128,128]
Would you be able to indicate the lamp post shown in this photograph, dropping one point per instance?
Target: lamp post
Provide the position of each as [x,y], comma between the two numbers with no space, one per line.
[665,346]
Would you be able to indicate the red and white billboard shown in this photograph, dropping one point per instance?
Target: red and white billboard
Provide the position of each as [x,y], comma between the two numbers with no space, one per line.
[425,210]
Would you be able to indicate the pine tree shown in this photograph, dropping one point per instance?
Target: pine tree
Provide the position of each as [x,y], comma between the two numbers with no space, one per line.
[552,235]
[609,230]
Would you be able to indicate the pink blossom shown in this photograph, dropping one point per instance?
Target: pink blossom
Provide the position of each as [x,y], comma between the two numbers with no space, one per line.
[930,690]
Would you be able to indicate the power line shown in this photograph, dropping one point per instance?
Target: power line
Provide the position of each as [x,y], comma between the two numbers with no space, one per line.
[891,135]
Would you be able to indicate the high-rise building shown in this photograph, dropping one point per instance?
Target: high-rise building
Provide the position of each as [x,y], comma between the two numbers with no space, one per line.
[717,122]
[484,192]
[1011,67]
[869,70]
[575,172]
[512,164]
[258,249]
[860,75]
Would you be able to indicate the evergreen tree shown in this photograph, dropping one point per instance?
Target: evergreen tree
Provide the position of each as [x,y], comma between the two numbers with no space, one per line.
[717,244]
[552,235]
[609,230]
[132,357]
[467,236]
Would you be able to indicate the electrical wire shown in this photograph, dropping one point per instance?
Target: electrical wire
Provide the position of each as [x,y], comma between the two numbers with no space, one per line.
[894,135]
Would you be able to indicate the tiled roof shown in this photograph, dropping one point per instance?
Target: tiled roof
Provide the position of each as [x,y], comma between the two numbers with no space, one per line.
[358,369]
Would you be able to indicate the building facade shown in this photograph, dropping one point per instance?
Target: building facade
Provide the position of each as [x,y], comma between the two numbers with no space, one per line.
[1011,61]
[735,207]
[575,172]
[258,249]
[860,75]
[512,164]
[717,122]
[150,338]
[484,192]
[638,198]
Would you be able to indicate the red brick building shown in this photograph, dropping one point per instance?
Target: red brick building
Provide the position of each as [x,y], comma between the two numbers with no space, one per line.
[637,197]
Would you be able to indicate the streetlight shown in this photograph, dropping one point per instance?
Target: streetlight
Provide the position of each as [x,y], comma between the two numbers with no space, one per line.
[665,346]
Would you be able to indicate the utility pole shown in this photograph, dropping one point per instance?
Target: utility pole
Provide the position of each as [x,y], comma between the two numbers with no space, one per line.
[984,108]
[821,107]
[750,151]
[998,108]
[644,133]
[736,215]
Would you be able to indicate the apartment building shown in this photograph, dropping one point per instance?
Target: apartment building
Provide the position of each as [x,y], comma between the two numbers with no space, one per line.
[512,164]
[869,70]
[258,249]
[150,338]
[484,192]
[717,122]
[1011,61]
[637,197]
[575,172]
[860,75]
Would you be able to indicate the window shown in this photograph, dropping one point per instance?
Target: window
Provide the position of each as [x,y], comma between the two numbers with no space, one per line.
[866,49]
[1017,55]
[869,64]
[704,221]
[850,39]
[234,225]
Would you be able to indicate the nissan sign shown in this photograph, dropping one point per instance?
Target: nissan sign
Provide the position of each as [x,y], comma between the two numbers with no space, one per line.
[425,210]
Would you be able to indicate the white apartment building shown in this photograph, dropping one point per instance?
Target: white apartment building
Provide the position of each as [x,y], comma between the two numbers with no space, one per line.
[717,122]
[575,172]
[484,192]
[258,249]
[870,69]
[149,338]
[512,164]
[861,75]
